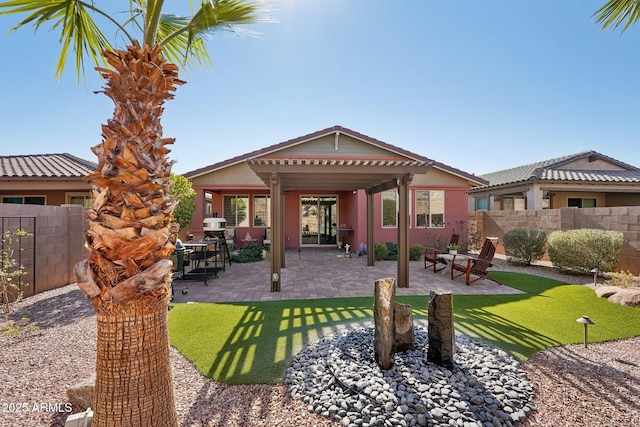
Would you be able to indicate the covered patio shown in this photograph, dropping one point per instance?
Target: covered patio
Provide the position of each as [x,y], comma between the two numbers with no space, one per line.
[322,273]
[321,174]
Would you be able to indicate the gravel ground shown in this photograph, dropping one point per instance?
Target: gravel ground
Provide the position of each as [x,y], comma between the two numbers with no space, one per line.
[597,386]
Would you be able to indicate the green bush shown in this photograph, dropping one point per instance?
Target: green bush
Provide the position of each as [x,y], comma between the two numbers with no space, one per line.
[415,252]
[524,245]
[584,249]
[250,253]
[392,251]
[380,251]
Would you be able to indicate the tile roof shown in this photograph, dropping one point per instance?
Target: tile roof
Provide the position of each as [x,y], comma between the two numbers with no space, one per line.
[551,170]
[45,166]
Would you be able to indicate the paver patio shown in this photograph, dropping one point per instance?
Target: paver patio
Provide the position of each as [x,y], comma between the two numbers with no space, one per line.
[322,273]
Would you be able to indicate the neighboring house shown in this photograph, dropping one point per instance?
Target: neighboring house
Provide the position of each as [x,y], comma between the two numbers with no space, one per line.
[329,187]
[582,180]
[45,179]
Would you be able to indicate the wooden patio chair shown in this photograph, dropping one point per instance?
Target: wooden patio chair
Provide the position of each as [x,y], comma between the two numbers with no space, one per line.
[431,254]
[477,266]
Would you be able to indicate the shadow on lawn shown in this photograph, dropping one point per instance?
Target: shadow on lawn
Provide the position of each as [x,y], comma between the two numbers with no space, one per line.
[268,335]
[501,332]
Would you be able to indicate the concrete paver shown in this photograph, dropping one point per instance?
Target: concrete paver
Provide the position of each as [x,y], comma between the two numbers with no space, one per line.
[322,273]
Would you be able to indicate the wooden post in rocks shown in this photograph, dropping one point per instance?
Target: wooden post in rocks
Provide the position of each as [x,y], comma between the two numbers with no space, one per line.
[383,315]
[441,333]
[403,319]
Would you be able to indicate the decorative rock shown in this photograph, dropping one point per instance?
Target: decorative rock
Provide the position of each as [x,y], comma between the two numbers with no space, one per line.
[629,297]
[383,307]
[403,319]
[81,394]
[607,291]
[441,333]
[414,391]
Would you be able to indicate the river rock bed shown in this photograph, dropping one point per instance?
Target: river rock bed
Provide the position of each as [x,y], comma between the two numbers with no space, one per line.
[338,377]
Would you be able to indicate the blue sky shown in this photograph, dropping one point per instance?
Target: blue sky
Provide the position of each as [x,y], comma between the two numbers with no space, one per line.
[479,86]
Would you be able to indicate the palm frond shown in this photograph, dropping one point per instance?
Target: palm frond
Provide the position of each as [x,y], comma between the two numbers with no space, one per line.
[72,19]
[178,34]
[179,49]
[618,12]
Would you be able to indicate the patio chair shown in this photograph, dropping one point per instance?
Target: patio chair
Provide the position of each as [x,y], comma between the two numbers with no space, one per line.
[266,240]
[431,254]
[477,266]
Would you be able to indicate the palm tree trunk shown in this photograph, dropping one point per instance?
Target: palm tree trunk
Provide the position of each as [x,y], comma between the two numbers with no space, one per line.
[128,275]
[134,384]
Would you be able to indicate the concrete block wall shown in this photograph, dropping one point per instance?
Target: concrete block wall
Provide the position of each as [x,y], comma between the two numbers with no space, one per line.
[625,219]
[59,242]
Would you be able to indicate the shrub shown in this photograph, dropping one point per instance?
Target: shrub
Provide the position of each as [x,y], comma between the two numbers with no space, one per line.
[524,245]
[624,279]
[10,270]
[380,251]
[584,249]
[392,251]
[415,252]
[250,253]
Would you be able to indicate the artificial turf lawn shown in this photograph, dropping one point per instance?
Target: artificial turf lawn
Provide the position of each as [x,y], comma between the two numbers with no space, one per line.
[251,342]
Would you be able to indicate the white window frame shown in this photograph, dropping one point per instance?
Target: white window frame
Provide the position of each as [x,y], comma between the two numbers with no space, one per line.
[233,222]
[428,220]
[267,213]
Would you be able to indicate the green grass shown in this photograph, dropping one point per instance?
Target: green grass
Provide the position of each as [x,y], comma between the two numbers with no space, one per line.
[249,343]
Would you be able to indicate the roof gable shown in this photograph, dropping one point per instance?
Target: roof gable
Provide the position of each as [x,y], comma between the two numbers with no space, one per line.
[336,144]
[45,166]
[333,142]
[585,166]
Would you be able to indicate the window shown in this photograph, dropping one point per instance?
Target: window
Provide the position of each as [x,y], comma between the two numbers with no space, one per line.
[236,211]
[82,200]
[390,208]
[575,202]
[482,203]
[513,204]
[546,202]
[430,208]
[261,211]
[208,203]
[24,200]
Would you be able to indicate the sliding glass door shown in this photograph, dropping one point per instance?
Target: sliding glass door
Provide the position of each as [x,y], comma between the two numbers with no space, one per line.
[318,220]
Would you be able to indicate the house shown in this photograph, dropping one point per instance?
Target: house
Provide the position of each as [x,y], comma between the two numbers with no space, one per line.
[583,180]
[45,179]
[331,188]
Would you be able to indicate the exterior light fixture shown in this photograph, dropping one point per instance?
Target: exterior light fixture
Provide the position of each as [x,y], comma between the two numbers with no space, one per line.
[586,322]
[595,272]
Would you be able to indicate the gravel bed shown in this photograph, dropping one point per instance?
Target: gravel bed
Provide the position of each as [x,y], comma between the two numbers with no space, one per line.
[338,377]
[597,386]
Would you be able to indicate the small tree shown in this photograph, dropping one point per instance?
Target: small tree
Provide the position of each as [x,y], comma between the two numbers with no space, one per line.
[10,270]
[524,245]
[182,191]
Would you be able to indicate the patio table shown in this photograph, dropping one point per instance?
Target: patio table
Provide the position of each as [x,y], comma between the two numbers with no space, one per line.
[449,259]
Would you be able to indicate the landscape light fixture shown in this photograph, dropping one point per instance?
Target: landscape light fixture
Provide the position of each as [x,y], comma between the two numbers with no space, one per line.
[595,272]
[586,322]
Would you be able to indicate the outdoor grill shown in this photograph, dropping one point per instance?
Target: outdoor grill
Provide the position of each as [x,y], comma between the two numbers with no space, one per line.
[214,227]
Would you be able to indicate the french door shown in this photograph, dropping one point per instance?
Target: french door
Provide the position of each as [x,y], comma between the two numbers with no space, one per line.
[318,220]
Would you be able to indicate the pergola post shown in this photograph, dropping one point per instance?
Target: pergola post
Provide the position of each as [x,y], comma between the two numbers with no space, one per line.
[282,227]
[276,232]
[370,237]
[403,231]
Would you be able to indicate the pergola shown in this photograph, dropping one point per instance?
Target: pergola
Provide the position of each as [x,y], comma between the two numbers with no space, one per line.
[331,174]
